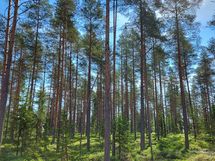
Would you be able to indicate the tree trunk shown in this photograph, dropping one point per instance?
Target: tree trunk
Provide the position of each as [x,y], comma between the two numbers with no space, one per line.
[10,100]
[142,119]
[163,128]
[134,96]
[126,110]
[107,85]
[75,94]
[6,74]
[33,76]
[122,84]
[72,124]
[89,91]
[190,101]
[180,69]
[61,86]
[7,34]
[114,73]
[157,116]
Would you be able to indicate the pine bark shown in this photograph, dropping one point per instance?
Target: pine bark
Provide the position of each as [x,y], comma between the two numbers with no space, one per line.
[180,70]
[114,74]
[142,112]
[107,123]
[6,73]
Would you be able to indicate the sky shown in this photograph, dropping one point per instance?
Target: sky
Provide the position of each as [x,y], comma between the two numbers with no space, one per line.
[204,14]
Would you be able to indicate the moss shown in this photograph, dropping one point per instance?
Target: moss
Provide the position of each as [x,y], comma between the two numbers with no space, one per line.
[202,157]
[166,149]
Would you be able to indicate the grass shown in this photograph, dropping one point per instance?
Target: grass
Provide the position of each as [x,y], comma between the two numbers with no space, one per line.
[170,148]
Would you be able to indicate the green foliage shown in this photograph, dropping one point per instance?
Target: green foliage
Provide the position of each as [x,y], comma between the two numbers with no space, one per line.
[26,121]
[41,112]
[167,149]
[122,137]
[64,12]
[92,14]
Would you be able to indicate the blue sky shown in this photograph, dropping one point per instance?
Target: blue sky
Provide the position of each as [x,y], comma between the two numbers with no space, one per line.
[204,14]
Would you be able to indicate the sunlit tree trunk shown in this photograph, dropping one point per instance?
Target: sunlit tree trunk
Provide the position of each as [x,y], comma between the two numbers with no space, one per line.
[114,73]
[6,72]
[180,69]
[107,123]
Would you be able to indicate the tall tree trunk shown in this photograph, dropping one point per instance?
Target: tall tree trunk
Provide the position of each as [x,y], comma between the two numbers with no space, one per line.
[6,74]
[89,91]
[75,93]
[33,76]
[57,98]
[157,116]
[107,125]
[114,73]
[61,87]
[147,103]
[145,75]
[131,109]
[134,96]
[126,110]
[101,102]
[163,128]
[7,34]
[85,106]
[190,101]
[142,116]
[180,69]
[122,84]
[17,96]
[70,96]
[10,99]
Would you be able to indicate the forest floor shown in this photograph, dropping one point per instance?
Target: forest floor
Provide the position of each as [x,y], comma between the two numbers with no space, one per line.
[170,148]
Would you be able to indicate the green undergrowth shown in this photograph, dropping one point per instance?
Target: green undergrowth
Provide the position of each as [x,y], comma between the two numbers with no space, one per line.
[169,148]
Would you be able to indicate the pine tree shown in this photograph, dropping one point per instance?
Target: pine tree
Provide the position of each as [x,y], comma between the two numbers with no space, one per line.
[92,13]
[6,69]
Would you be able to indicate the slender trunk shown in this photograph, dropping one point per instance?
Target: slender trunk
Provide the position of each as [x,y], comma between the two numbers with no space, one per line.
[134,96]
[10,100]
[180,69]
[131,109]
[157,127]
[17,96]
[165,105]
[101,106]
[114,73]
[70,96]
[209,107]
[6,74]
[57,97]
[107,125]
[5,62]
[147,103]
[190,101]
[61,86]
[75,93]
[145,79]
[85,107]
[142,119]
[33,76]
[126,110]
[122,85]
[89,91]
[53,98]
[161,103]
[7,34]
